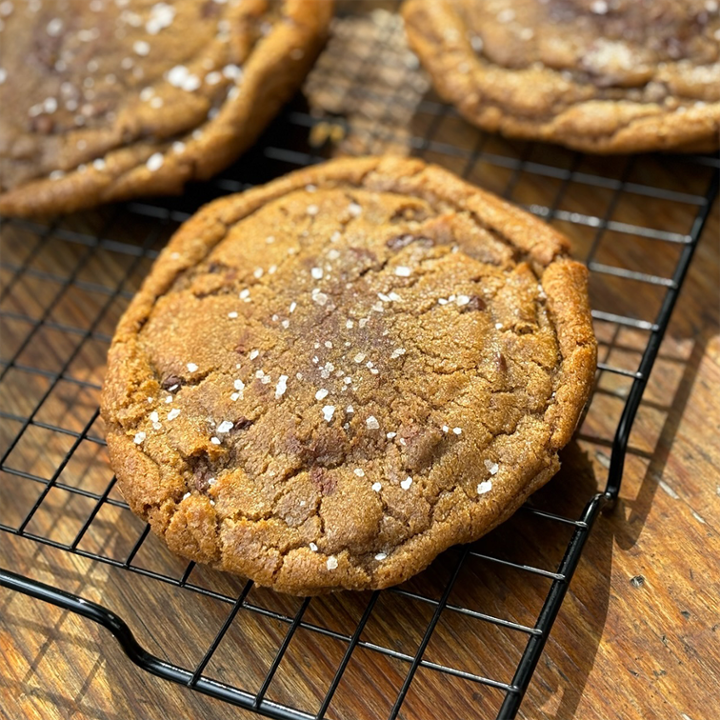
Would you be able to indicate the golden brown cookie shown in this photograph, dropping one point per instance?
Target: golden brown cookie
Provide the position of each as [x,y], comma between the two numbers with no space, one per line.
[326,381]
[104,101]
[605,76]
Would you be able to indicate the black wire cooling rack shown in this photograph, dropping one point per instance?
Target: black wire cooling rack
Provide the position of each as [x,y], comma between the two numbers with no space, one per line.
[57,316]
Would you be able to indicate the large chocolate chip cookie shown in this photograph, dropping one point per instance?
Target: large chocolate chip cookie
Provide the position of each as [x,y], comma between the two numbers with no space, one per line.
[326,381]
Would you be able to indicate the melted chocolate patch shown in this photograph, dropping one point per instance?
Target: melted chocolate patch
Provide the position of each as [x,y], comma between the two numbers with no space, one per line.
[421,445]
[42,125]
[327,448]
[241,424]
[202,473]
[210,9]
[171,381]
[476,304]
[323,481]
[400,241]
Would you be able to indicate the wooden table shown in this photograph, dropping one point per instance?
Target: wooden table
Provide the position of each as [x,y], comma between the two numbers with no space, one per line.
[638,636]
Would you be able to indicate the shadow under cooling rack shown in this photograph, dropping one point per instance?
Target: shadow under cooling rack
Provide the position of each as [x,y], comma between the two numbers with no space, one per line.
[463,638]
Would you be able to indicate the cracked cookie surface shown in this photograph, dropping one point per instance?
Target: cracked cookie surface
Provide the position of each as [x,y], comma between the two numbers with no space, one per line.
[326,381]
[605,76]
[104,101]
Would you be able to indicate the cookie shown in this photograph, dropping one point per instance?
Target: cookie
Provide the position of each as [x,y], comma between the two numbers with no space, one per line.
[104,101]
[602,76]
[326,381]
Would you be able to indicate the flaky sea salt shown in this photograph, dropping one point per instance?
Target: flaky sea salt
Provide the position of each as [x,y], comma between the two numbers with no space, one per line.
[319,297]
[54,27]
[484,487]
[155,162]
[281,386]
[491,467]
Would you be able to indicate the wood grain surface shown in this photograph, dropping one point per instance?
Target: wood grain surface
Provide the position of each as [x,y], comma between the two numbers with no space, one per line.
[638,636]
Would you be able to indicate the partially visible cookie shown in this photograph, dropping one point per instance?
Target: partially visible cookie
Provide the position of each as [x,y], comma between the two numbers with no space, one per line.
[104,101]
[326,381]
[605,76]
